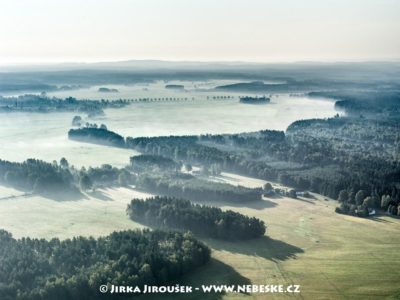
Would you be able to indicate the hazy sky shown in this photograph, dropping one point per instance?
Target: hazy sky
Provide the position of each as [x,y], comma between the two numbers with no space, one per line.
[245,30]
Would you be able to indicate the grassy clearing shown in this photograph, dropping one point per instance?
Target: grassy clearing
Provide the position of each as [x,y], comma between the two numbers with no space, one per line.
[97,214]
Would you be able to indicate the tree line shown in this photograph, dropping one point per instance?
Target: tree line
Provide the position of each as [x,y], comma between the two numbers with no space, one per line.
[187,186]
[144,162]
[37,176]
[97,135]
[59,178]
[44,104]
[174,213]
[362,203]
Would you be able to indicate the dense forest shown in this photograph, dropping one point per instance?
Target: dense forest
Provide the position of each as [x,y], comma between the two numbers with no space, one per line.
[97,135]
[175,86]
[174,213]
[107,90]
[371,102]
[37,269]
[187,186]
[37,176]
[254,100]
[60,178]
[164,176]
[103,176]
[145,162]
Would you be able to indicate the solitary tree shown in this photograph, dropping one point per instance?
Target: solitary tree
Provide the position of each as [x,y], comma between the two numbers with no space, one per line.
[76,121]
[292,194]
[123,179]
[360,196]
[351,197]
[64,163]
[369,202]
[268,187]
[85,183]
[343,196]
[386,199]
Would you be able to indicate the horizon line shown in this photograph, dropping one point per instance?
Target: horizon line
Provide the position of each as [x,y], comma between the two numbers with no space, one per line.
[78,62]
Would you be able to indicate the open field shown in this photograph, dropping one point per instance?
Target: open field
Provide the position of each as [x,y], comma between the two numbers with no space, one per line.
[331,256]
[98,214]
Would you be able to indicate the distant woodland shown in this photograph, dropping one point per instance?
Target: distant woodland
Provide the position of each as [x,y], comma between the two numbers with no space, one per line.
[43,104]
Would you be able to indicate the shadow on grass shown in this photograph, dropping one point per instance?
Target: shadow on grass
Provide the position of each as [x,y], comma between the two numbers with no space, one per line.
[265,247]
[25,192]
[11,197]
[70,195]
[278,196]
[63,196]
[273,196]
[378,219]
[305,200]
[214,272]
[256,204]
[100,195]
[253,204]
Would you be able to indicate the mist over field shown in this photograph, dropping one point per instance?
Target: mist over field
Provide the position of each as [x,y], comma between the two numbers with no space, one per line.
[43,136]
